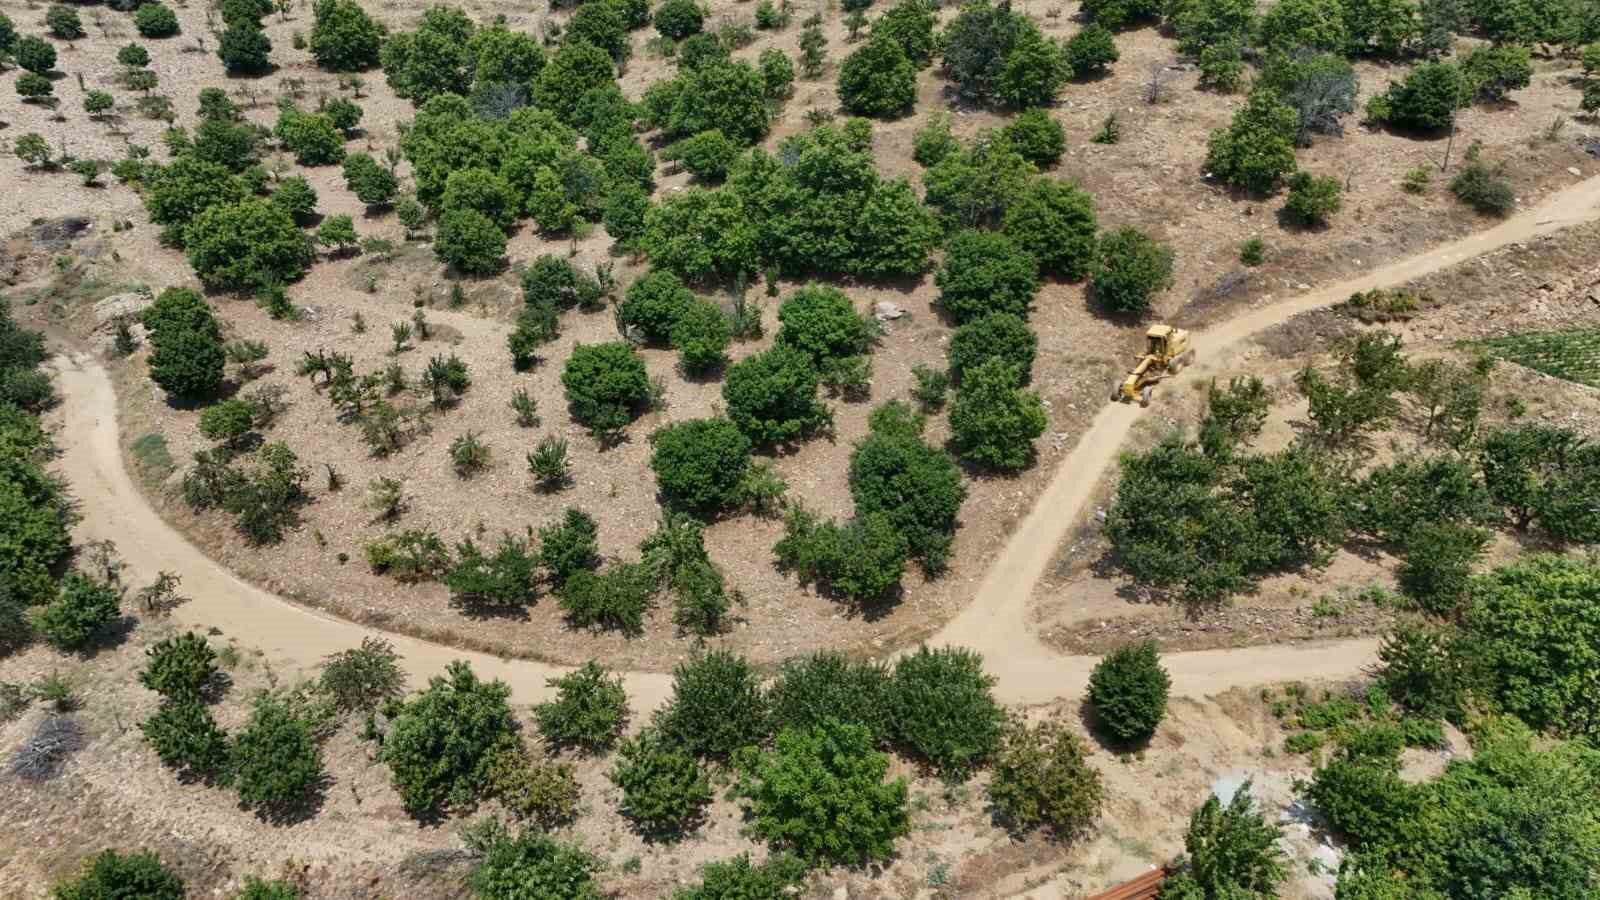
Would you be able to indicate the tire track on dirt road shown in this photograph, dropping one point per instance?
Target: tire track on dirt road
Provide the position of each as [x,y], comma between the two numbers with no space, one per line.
[993,623]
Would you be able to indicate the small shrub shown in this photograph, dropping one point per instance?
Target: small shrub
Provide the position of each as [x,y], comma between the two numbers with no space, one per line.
[110,874]
[498,581]
[363,678]
[1128,689]
[569,547]
[79,613]
[1042,778]
[1312,199]
[468,455]
[539,791]
[1483,187]
[275,761]
[664,793]
[717,706]
[616,598]
[588,711]
[548,463]
[179,668]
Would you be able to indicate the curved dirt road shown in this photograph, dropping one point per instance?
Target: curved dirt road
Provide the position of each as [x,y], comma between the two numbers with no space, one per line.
[994,623]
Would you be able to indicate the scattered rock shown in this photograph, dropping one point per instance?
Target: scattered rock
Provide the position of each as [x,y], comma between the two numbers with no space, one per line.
[129,304]
[884,311]
[1575,171]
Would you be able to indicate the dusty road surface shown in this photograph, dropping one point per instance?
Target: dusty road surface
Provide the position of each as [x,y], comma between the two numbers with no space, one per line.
[993,623]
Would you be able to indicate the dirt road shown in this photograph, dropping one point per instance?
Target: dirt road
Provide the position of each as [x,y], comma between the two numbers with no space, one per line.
[295,638]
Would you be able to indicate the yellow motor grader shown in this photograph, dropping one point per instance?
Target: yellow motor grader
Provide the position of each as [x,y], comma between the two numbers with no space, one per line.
[1167,351]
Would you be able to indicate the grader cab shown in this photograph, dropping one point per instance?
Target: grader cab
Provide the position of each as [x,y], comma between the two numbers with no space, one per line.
[1167,351]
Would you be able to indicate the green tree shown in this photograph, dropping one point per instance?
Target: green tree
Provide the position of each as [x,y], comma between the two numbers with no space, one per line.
[275,760]
[772,396]
[247,246]
[370,181]
[1438,564]
[177,194]
[1128,689]
[1532,635]
[677,19]
[914,485]
[244,49]
[155,20]
[810,690]
[1315,24]
[717,706]
[1038,137]
[985,272]
[587,712]
[1042,778]
[531,865]
[1091,51]
[823,322]
[878,80]
[942,710]
[1054,222]
[34,54]
[606,386]
[295,196]
[109,874]
[470,241]
[1119,13]
[910,23]
[702,334]
[1233,852]
[1130,269]
[1545,475]
[433,60]
[654,304]
[439,745]
[993,420]
[664,793]
[188,364]
[79,613]
[187,739]
[1000,335]
[343,37]
[821,793]
[573,70]
[501,580]
[700,463]
[1426,100]
[1256,151]
[569,547]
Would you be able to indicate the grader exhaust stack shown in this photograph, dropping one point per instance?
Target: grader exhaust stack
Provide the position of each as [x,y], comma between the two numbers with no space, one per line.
[1167,351]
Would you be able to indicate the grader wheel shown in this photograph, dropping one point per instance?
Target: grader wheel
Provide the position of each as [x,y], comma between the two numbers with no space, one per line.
[1144,396]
